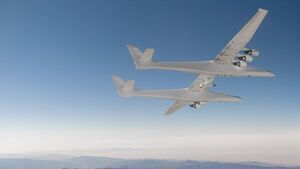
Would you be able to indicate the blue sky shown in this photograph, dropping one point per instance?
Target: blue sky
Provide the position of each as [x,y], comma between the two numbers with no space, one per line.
[57,58]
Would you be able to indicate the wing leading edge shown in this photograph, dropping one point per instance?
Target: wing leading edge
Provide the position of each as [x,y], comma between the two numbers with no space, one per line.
[241,39]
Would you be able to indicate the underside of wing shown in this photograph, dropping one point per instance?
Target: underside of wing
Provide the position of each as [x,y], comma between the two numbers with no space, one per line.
[219,97]
[202,82]
[176,106]
[241,39]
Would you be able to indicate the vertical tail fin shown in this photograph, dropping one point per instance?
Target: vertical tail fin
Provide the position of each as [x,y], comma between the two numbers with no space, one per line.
[123,87]
[140,58]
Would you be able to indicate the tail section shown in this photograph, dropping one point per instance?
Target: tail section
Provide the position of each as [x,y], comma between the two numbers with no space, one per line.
[141,59]
[124,88]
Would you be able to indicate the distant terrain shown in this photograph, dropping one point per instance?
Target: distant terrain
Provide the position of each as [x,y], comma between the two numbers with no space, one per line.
[92,162]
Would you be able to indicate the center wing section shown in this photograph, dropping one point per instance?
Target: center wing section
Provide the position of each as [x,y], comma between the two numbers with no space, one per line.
[201,82]
[241,39]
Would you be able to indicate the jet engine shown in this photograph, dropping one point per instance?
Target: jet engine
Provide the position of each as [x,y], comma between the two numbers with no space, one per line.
[240,63]
[197,104]
[251,52]
[245,58]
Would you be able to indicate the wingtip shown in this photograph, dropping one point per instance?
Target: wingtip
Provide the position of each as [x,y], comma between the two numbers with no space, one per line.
[263,10]
[272,74]
[130,45]
[114,76]
[167,113]
[269,74]
[117,80]
[238,99]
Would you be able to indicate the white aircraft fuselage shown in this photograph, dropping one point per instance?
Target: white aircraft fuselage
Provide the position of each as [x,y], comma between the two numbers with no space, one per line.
[232,60]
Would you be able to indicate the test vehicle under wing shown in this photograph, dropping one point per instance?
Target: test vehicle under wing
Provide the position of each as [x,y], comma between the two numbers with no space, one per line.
[196,95]
[233,60]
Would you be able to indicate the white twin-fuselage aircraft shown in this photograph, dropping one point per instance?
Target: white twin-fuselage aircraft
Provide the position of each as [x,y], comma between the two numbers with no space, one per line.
[195,96]
[231,61]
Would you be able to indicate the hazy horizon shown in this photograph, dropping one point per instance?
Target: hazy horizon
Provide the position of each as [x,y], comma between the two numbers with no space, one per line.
[235,147]
[139,154]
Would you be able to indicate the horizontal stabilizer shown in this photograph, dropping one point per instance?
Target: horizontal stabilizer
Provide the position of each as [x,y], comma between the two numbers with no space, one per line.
[140,58]
[128,85]
[147,55]
[119,83]
[123,87]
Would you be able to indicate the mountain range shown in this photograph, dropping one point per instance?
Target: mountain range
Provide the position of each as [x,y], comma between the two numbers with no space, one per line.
[55,161]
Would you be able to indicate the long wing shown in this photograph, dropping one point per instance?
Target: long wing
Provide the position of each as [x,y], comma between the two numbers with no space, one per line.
[241,39]
[201,82]
[177,105]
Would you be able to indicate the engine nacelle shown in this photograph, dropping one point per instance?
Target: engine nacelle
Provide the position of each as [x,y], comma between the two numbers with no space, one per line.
[245,58]
[252,52]
[240,63]
[197,104]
